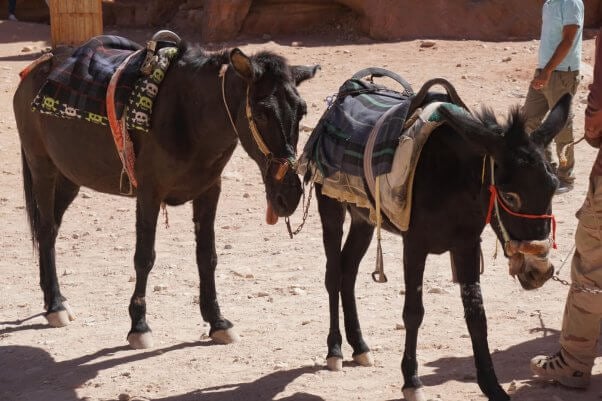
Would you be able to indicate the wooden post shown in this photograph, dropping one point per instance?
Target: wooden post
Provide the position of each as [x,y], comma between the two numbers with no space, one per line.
[73,22]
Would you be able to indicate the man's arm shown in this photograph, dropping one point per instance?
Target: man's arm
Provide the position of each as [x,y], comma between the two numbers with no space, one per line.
[569,33]
[593,112]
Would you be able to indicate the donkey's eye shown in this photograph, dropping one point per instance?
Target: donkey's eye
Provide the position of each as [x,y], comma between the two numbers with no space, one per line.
[511,199]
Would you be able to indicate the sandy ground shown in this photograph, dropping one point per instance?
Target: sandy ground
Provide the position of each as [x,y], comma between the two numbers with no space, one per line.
[271,287]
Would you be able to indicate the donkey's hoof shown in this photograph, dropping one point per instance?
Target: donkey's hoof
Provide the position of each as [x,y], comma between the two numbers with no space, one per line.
[58,319]
[69,311]
[414,394]
[364,359]
[334,363]
[140,340]
[224,337]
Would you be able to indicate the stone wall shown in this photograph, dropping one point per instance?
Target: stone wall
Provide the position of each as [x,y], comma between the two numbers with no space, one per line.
[220,20]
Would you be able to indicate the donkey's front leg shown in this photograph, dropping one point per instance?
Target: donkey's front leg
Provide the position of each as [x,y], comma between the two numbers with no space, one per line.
[147,211]
[414,258]
[204,208]
[467,264]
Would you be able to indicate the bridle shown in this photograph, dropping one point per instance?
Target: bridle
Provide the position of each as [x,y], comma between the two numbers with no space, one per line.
[495,201]
[283,164]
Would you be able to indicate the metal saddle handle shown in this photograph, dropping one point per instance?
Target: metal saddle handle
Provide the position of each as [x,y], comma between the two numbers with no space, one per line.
[166,36]
[424,93]
[381,72]
[158,40]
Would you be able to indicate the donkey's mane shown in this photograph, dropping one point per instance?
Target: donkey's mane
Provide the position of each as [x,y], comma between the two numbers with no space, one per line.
[267,62]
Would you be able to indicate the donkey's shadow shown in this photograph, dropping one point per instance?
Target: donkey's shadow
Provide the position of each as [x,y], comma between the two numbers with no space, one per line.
[512,364]
[30,373]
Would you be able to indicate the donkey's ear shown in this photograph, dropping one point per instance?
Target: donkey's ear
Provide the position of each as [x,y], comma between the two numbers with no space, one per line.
[301,72]
[473,130]
[242,64]
[554,122]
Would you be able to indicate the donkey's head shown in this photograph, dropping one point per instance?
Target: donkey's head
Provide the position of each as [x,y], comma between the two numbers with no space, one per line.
[520,189]
[270,131]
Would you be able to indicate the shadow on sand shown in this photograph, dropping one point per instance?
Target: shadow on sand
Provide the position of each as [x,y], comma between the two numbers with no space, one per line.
[30,373]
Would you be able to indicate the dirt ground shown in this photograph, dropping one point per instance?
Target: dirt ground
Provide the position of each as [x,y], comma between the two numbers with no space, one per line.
[269,286]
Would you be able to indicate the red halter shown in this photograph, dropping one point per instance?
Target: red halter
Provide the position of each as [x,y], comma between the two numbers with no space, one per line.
[496,196]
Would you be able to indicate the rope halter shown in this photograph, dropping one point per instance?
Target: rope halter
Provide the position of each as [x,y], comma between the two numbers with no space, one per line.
[494,201]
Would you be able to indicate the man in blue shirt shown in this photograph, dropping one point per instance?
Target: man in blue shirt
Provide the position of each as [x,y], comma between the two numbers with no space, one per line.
[557,73]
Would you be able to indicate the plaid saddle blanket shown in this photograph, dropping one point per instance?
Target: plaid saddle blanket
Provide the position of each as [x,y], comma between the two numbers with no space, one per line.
[338,141]
[77,87]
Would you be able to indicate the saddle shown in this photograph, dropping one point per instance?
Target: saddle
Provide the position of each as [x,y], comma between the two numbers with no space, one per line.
[366,146]
[109,80]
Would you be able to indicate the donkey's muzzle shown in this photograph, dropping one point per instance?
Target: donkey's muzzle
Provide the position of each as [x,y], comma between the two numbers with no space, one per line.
[528,260]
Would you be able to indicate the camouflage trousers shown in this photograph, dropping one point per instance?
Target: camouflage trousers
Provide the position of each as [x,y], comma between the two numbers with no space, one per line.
[583,309]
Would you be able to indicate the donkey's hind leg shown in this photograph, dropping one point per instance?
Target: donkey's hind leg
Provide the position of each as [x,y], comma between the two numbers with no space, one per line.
[48,194]
[332,215]
[356,245]
[65,193]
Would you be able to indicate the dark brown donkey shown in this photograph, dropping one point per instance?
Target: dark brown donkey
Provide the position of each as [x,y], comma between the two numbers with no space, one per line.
[472,171]
[181,159]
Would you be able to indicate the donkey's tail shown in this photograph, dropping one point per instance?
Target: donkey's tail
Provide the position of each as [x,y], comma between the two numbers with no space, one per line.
[31,205]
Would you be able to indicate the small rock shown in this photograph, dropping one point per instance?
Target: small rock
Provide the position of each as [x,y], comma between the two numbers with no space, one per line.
[512,387]
[26,49]
[506,59]
[459,65]
[75,236]
[297,291]
[132,279]
[281,366]
[296,44]
[160,287]
[437,290]
[400,326]
[246,195]
[227,246]
[305,322]
[196,299]
[428,43]
[124,397]
[86,195]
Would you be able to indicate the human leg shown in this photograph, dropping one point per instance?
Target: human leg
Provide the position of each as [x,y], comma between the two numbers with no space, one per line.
[535,108]
[572,365]
[563,82]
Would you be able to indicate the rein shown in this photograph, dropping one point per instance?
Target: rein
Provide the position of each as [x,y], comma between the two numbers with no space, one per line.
[495,201]
[283,164]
